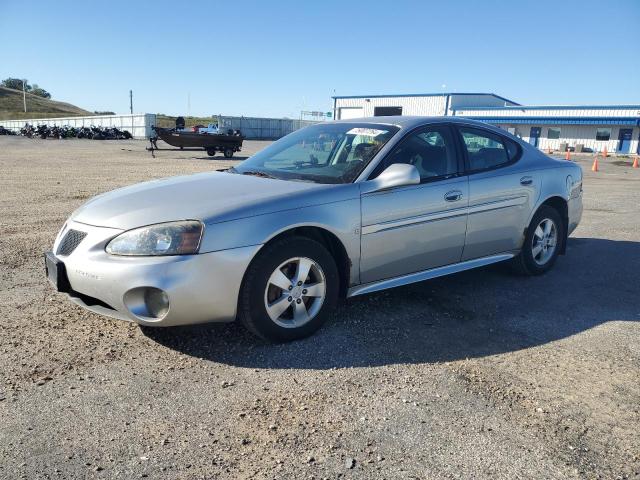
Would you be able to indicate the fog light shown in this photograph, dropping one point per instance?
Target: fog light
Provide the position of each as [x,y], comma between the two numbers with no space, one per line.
[157,302]
[147,303]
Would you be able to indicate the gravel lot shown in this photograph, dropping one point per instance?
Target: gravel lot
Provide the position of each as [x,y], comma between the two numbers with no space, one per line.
[478,375]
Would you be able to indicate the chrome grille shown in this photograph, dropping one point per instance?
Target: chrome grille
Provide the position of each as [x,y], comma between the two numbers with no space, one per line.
[70,241]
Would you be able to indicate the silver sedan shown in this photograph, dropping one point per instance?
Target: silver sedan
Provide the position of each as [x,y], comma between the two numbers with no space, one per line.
[331,211]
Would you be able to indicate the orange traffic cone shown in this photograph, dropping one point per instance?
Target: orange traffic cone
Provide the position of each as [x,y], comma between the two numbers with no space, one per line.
[635,163]
[567,156]
[605,154]
[594,168]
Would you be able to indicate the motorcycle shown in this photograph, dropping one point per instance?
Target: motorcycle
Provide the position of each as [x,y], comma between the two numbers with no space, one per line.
[66,131]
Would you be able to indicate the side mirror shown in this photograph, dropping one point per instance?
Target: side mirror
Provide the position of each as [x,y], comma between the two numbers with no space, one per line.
[395,175]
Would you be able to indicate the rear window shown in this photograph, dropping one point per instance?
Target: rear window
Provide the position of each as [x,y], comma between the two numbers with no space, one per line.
[487,150]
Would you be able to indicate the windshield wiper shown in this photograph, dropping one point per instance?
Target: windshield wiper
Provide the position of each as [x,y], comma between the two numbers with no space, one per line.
[258,173]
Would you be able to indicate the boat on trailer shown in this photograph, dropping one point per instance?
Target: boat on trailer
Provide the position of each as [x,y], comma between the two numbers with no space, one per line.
[228,143]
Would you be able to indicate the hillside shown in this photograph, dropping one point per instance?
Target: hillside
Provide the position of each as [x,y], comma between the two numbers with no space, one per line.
[11,106]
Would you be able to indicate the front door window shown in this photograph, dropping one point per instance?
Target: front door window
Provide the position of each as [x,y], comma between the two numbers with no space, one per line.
[430,150]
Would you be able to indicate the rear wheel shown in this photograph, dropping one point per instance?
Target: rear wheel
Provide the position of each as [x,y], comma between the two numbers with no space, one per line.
[228,153]
[211,152]
[542,243]
[289,290]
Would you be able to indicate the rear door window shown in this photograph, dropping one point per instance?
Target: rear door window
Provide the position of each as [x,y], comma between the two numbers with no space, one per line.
[486,150]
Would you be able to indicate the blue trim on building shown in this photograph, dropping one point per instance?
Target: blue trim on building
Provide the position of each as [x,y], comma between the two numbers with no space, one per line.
[559,120]
[556,107]
[424,95]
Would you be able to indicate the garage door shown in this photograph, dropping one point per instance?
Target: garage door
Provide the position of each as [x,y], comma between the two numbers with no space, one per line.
[347,113]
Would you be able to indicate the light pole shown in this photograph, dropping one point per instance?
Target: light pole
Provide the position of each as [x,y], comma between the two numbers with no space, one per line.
[24,94]
[131,101]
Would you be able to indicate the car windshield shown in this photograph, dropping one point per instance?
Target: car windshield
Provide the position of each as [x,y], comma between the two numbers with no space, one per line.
[323,153]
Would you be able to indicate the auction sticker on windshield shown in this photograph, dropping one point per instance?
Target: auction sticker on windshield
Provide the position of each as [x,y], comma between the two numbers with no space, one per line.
[369,132]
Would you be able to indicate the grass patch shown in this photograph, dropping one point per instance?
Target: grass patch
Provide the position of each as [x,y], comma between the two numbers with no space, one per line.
[167,121]
[12,108]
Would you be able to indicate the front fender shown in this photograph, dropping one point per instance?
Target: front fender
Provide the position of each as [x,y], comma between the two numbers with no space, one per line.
[341,218]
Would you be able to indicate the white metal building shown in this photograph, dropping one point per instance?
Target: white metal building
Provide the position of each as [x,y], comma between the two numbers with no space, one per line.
[427,104]
[586,128]
[580,128]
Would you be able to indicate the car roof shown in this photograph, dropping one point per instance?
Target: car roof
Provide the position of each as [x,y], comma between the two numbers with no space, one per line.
[414,121]
[410,122]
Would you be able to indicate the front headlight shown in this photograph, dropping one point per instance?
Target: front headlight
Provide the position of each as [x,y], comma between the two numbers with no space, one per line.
[173,238]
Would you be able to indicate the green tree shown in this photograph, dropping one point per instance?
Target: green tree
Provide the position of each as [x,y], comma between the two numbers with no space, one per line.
[41,92]
[15,83]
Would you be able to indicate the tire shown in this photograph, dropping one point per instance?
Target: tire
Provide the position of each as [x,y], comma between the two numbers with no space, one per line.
[211,152]
[228,153]
[258,291]
[534,258]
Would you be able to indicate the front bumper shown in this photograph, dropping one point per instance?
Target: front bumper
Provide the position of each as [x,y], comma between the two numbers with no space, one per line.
[200,288]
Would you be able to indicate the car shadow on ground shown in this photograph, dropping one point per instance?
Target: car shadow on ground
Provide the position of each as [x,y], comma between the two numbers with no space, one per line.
[472,314]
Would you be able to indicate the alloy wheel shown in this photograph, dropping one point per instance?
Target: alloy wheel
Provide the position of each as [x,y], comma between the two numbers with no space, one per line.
[544,241]
[295,292]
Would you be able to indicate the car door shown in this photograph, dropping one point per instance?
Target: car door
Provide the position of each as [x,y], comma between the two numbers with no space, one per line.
[413,228]
[501,193]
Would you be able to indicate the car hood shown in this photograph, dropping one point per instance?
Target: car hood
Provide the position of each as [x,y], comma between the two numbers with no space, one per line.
[210,197]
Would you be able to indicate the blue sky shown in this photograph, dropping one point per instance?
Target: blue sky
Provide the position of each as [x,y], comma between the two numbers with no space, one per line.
[274,58]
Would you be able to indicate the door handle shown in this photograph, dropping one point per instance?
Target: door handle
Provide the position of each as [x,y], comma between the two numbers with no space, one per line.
[453,196]
[526,181]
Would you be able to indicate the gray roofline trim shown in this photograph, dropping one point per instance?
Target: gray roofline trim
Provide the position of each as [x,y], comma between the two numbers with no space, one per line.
[422,95]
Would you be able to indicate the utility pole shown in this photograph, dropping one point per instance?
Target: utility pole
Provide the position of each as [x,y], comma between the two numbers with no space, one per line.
[131,101]
[24,94]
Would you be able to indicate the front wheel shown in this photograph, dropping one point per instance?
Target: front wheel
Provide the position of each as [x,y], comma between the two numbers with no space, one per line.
[542,243]
[211,152]
[228,153]
[289,290]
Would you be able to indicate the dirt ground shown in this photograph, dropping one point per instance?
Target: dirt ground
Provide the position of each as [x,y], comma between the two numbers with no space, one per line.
[478,375]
